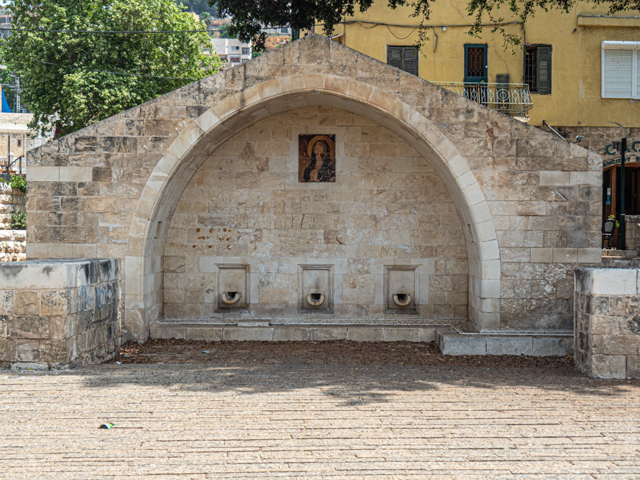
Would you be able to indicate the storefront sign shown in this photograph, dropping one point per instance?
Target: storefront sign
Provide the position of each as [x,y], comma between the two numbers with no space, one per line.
[632,146]
[609,162]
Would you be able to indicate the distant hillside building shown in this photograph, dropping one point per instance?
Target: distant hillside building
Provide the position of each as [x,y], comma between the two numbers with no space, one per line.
[231,51]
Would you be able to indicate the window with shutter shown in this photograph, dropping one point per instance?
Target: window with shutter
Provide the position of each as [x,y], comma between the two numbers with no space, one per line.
[544,70]
[620,69]
[404,58]
[537,68]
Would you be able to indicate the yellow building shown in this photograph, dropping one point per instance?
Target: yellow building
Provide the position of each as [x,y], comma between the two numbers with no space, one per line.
[577,71]
[560,59]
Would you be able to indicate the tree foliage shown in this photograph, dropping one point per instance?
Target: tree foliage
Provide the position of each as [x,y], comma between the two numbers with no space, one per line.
[72,78]
[199,7]
[224,31]
[205,17]
[250,15]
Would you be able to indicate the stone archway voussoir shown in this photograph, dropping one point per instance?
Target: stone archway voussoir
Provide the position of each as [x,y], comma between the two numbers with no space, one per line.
[207,121]
[359,90]
[334,83]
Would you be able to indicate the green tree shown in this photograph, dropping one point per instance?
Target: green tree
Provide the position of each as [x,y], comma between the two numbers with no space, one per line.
[75,74]
[224,31]
[199,6]
[205,17]
[250,16]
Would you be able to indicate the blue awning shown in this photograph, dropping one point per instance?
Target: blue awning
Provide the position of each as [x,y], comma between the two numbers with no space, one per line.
[5,104]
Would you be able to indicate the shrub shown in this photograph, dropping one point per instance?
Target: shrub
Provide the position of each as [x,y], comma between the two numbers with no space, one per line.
[19,221]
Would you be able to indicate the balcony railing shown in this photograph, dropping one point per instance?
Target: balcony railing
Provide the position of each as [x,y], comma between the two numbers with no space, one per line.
[510,98]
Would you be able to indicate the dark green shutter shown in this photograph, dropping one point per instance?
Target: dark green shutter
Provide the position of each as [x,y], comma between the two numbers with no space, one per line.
[404,58]
[411,60]
[543,70]
[394,56]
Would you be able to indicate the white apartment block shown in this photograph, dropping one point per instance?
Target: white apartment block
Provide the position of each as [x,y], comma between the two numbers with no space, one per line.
[231,51]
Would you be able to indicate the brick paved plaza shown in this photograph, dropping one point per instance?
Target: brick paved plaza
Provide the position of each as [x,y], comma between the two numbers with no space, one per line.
[251,416]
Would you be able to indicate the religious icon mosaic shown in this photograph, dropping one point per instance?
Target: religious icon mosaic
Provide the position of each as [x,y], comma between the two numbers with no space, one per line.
[317,158]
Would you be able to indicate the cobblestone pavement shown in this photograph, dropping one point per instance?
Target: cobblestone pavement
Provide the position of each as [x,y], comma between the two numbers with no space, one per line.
[289,420]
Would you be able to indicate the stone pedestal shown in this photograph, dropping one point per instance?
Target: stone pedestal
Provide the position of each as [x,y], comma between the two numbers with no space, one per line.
[607,322]
[60,312]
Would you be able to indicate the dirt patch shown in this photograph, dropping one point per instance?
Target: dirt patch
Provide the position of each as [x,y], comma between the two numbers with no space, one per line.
[339,352]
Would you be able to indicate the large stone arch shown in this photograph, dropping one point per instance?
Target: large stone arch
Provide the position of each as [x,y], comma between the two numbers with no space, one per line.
[170,177]
[529,203]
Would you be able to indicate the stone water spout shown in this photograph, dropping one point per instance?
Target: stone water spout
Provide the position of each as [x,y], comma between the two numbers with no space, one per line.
[231,297]
[402,299]
[315,299]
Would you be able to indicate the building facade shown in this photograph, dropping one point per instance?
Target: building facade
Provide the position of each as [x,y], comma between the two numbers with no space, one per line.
[577,72]
[231,51]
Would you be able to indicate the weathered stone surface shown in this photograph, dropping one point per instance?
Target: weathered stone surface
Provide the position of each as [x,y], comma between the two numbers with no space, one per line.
[59,313]
[547,346]
[505,345]
[456,344]
[422,175]
[607,336]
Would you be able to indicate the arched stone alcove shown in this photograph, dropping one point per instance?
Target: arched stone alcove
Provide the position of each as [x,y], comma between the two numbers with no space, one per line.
[528,203]
[173,173]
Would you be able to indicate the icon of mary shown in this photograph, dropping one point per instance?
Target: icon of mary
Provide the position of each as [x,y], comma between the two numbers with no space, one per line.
[322,167]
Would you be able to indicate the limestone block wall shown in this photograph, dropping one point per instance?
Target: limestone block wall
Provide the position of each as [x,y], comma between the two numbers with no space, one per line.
[597,139]
[11,201]
[607,322]
[13,243]
[57,313]
[529,203]
[632,232]
[387,207]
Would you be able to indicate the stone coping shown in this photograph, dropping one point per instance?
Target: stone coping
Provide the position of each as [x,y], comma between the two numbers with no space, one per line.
[58,273]
[607,281]
[483,344]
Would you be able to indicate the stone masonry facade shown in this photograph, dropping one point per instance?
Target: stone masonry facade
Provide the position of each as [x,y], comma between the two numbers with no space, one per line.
[59,313]
[607,322]
[528,204]
[387,207]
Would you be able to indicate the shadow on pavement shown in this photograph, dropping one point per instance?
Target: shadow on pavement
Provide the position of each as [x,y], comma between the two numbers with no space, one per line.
[353,373]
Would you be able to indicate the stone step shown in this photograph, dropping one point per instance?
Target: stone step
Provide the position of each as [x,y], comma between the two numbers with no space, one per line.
[283,333]
[452,342]
[616,254]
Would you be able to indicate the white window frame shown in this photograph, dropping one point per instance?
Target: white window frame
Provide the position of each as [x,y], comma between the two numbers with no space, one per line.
[621,45]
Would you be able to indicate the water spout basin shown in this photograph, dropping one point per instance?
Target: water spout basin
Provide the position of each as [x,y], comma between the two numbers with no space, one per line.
[315,299]
[402,299]
[231,297]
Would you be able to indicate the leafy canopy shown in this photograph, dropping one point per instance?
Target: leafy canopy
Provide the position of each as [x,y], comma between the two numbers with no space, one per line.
[72,79]
[199,7]
[249,15]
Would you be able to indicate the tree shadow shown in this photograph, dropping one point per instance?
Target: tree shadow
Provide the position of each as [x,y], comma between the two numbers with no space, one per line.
[351,385]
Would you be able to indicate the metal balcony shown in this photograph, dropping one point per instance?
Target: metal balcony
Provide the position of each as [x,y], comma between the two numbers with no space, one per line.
[510,98]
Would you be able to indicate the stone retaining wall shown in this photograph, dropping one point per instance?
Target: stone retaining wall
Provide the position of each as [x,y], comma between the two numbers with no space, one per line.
[13,243]
[57,313]
[607,322]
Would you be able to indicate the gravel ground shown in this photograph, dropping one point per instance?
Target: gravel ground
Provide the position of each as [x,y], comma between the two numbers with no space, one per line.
[339,352]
